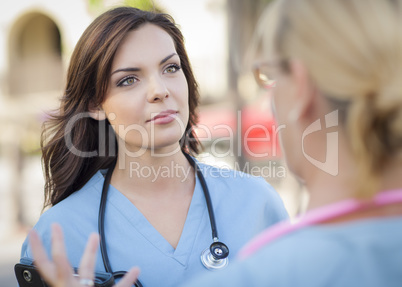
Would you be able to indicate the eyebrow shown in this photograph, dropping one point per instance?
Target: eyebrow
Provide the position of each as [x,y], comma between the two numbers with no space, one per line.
[164,60]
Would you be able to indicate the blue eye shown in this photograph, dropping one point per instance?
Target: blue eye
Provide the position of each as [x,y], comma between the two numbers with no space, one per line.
[172,69]
[127,81]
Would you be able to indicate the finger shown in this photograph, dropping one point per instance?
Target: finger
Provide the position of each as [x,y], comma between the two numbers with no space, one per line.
[63,267]
[88,260]
[46,268]
[129,278]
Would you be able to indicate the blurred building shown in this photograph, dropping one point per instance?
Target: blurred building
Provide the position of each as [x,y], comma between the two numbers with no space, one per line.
[36,39]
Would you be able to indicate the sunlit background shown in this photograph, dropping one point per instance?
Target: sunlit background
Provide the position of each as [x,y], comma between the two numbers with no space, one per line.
[37,38]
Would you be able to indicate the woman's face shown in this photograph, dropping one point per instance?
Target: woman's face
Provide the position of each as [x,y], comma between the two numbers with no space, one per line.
[147,97]
[282,90]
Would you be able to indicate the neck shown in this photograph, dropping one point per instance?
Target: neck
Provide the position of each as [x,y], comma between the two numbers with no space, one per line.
[325,189]
[151,172]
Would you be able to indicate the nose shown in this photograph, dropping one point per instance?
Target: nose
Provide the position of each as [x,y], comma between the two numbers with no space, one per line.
[157,90]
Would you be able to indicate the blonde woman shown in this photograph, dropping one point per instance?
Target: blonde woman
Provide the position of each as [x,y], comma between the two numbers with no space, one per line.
[334,69]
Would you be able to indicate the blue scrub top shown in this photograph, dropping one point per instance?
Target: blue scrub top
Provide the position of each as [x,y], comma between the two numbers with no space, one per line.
[244,206]
[362,253]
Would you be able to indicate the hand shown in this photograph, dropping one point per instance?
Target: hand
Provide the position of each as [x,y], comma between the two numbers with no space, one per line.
[59,273]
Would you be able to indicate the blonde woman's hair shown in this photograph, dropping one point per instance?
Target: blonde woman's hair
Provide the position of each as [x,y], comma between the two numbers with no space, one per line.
[353,51]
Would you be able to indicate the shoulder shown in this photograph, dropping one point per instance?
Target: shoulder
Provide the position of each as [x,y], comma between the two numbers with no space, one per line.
[79,203]
[288,261]
[225,179]
[238,189]
[77,215]
[330,255]
[356,254]
[233,178]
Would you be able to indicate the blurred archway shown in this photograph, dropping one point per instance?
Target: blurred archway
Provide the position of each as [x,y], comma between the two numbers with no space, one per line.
[35,62]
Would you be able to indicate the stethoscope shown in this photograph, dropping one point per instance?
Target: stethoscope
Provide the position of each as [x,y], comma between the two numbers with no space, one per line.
[214,257]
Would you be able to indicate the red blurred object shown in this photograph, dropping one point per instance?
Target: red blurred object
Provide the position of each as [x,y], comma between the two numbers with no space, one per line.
[259,132]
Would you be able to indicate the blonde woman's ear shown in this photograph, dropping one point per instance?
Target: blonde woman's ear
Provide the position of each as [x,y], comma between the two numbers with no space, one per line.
[97,113]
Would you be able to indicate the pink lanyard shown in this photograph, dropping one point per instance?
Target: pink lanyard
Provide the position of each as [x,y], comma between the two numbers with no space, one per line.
[317,216]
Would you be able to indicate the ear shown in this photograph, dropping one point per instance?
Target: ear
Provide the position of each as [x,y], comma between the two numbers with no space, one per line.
[304,88]
[97,113]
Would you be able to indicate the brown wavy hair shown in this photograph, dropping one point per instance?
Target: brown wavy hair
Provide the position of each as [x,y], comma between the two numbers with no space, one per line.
[73,153]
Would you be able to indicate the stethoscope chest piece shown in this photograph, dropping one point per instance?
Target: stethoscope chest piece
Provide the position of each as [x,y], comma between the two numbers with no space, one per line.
[216,256]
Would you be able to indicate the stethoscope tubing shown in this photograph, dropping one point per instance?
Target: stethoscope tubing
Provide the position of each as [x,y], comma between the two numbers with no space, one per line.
[101,220]
[101,229]
[206,195]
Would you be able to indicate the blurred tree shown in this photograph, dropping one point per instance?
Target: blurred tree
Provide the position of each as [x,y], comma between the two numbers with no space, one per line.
[147,5]
[98,6]
[95,3]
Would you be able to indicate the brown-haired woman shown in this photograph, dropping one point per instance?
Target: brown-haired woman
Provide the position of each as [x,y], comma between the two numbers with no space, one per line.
[128,116]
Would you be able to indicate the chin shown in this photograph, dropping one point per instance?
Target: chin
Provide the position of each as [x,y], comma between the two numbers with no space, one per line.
[170,143]
[295,170]
[292,165]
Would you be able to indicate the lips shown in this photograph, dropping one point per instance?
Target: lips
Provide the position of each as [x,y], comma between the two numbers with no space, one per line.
[164,114]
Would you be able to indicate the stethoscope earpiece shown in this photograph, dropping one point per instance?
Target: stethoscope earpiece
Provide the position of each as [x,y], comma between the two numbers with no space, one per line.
[216,256]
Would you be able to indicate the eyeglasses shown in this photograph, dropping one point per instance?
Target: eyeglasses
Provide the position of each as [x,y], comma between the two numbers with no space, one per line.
[263,73]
